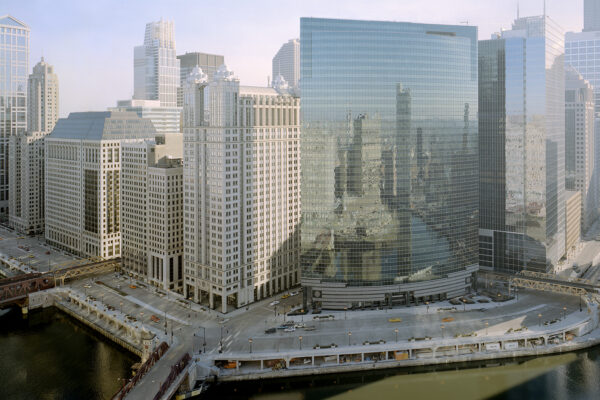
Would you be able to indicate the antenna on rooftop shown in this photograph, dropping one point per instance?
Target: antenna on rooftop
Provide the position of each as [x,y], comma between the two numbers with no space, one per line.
[544,8]
[464,22]
[518,16]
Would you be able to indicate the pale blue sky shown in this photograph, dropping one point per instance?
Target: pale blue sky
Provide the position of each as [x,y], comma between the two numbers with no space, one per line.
[90,43]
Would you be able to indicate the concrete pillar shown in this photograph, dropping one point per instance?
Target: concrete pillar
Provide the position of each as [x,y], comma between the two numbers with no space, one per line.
[525,342]
[564,336]
[410,354]
[362,356]
[211,299]
[338,358]
[287,363]
[223,303]
[261,364]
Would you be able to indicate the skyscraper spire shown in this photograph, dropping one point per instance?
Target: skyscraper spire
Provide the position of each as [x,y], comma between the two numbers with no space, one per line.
[518,10]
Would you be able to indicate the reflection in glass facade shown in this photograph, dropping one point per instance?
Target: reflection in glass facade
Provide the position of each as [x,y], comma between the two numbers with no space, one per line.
[14,66]
[521,141]
[389,161]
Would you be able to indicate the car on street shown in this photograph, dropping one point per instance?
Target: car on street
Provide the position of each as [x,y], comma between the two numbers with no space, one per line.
[285,296]
[289,329]
[87,286]
[274,303]
[293,293]
[270,330]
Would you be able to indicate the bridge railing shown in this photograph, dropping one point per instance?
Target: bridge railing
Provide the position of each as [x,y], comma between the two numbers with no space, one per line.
[176,369]
[154,357]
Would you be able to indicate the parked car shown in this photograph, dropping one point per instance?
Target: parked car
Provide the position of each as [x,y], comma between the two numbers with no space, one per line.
[270,330]
[274,303]
[289,329]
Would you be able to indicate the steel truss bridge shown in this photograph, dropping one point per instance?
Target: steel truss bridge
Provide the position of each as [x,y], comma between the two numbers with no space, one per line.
[16,289]
[543,282]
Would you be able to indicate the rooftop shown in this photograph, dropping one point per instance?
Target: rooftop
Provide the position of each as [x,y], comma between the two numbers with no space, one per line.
[105,125]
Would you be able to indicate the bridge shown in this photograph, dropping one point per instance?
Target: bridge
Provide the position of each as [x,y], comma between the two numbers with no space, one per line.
[543,282]
[16,289]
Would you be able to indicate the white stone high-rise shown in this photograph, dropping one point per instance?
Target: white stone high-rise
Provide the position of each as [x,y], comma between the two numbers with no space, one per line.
[287,62]
[14,66]
[42,99]
[26,155]
[151,212]
[155,65]
[83,174]
[241,190]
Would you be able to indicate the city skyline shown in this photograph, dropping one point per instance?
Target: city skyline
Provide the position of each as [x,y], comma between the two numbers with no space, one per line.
[248,47]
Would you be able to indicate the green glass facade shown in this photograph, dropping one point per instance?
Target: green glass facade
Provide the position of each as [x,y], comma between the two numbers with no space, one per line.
[389,161]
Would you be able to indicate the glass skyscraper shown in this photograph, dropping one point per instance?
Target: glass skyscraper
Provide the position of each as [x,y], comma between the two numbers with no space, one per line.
[155,65]
[14,66]
[389,162]
[521,147]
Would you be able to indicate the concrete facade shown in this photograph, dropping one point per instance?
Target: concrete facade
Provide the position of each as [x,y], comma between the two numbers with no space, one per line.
[151,212]
[207,62]
[82,190]
[241,191]
[42,98]
[26,165]
[287,63]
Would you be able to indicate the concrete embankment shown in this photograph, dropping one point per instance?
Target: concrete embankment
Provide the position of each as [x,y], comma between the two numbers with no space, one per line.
[135,349]
[389,364]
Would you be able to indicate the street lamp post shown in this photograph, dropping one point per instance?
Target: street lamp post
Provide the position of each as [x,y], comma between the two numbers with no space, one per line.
[121,307]
[142,319]
[250,341]
[564,312]
[539,319]
[486,328]
[464,304]
[300,339]
[345,310]
[349,334]
[427,304]
[204,339]
[442,330]
[580,304]
[396,332]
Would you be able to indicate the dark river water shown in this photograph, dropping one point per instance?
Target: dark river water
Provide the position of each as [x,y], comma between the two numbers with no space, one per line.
[49,356]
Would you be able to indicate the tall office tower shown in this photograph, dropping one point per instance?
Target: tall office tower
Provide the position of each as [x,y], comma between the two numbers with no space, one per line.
[155,65]
[207,62]
[579,143]
[83,180]
[389,162]
[166,120]
[241,193]
[26,152]
[26,166]
[582,52]
[287,62]
[521,147]
[591,15]
[151,212]
[42,100]
[14,65]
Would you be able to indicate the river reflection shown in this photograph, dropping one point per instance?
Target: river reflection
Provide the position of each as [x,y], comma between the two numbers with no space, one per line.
[565,376]
[49,356]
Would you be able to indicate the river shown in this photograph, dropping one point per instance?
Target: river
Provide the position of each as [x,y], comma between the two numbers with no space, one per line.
[47,355]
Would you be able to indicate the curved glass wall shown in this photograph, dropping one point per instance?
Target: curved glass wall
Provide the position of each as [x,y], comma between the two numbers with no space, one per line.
[389,151]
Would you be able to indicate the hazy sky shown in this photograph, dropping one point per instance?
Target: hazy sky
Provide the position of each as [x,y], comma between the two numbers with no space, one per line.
[90,43]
